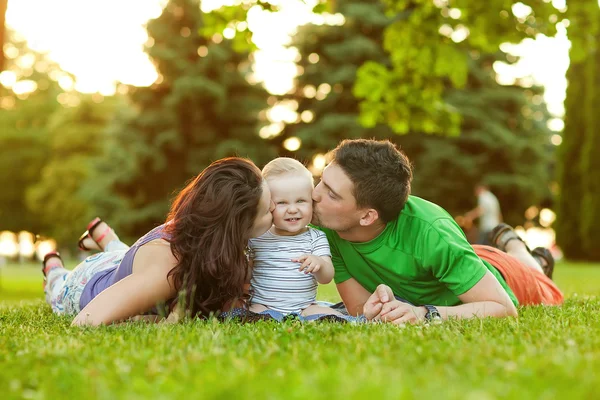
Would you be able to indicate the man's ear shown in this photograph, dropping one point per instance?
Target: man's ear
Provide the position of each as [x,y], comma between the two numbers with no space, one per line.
[370,216]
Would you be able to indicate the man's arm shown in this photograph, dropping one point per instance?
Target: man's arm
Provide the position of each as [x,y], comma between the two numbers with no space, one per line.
[486,299]
[354,296]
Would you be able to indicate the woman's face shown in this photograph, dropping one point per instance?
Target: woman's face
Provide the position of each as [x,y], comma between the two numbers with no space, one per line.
[264,218]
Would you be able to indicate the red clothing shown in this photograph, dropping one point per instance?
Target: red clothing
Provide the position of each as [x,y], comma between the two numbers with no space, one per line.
[529,286]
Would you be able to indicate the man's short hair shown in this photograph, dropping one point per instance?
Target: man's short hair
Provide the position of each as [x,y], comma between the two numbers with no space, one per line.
[381,174]
[284,165]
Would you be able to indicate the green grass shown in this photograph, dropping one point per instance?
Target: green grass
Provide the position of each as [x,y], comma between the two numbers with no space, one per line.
[548,353]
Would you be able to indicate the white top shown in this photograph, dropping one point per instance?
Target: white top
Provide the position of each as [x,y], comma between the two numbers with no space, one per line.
[490,211]
[276,281]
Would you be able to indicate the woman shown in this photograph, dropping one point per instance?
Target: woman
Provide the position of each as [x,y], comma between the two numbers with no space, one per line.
[197,258]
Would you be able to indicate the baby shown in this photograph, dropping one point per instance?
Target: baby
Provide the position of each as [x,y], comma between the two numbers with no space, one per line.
[290,258]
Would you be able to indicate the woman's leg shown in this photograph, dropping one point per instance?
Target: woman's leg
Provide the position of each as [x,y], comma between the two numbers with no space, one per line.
[64,288]
[115,245]
[99,237]
[55,276]
[103,235]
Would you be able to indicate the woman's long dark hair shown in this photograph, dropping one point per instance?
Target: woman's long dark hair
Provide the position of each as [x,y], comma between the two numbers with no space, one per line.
[211,220]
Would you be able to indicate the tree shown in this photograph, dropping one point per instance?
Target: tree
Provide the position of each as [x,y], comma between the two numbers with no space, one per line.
[503,139]
[200,109]
[27,101]
[60,197]
[504,142]
[3,8]
[590,208]
[329,59]
[424,58]
[578,206]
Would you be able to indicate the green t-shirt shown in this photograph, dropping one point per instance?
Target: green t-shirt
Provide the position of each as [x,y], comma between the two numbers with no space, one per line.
[423,256]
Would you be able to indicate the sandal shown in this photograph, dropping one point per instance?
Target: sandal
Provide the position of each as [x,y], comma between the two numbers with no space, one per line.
[502,234]
[94,244]
[544,254]
[52,254]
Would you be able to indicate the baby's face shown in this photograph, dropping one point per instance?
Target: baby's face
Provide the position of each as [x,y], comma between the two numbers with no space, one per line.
[292,195]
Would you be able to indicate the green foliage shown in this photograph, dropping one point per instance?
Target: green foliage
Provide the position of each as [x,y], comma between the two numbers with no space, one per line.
[202,108]
[43,357]
[504,139]
[504,142]
[23,134]
[408,92]
[341,50]
[76,137]
[578,206]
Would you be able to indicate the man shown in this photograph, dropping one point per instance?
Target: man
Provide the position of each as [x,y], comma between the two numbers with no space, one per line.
[385,243]
[488,212]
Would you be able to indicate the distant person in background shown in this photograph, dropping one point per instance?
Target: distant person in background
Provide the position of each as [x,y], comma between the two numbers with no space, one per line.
[487,211]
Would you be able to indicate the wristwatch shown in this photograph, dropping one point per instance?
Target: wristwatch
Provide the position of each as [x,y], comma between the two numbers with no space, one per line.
[432,314]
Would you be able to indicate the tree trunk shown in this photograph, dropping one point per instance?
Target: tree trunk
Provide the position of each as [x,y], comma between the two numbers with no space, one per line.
[3,8]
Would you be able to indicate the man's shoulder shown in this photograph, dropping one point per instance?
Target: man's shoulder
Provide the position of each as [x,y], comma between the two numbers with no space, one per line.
[422,222]
[421,211]
[320,230]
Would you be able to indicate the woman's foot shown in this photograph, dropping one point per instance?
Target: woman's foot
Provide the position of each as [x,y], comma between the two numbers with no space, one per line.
[97,236]
[51,260]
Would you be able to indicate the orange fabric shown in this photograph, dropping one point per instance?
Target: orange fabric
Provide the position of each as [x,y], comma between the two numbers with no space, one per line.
[529,286]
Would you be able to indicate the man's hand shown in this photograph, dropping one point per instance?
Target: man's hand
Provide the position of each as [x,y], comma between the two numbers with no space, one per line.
[382,306]
[310,263]
[398,312]
[382,295]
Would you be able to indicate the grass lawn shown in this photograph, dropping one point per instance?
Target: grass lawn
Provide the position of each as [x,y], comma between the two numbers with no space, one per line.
[548,353]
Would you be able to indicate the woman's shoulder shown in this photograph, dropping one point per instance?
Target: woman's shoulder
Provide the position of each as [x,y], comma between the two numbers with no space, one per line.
[155,254]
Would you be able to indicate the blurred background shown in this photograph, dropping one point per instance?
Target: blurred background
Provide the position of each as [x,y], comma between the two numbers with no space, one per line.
[108,107]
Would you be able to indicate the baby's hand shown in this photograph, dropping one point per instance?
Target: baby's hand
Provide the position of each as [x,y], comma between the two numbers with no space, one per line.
[310,263]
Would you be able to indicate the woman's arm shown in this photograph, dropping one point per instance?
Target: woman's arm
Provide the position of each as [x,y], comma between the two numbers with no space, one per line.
[133,295]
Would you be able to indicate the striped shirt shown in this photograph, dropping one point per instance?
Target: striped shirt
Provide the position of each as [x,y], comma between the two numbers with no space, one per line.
[276,281]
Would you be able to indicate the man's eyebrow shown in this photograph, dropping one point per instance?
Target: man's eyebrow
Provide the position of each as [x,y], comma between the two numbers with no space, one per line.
[329,188]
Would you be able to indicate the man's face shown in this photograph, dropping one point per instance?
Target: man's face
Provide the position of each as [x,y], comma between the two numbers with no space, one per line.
[334,205]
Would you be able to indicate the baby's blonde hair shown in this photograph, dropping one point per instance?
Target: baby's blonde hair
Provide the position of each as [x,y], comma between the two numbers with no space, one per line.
[284,165]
